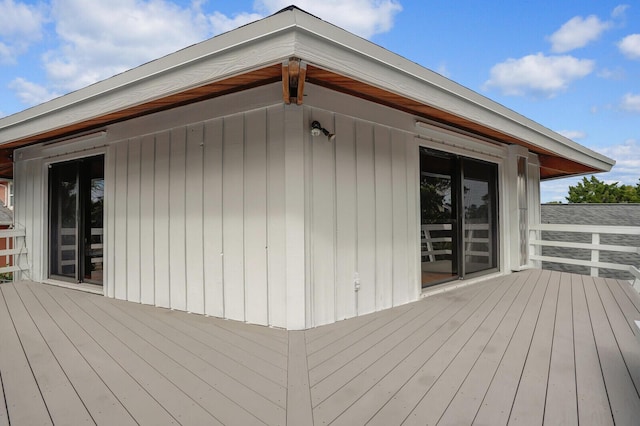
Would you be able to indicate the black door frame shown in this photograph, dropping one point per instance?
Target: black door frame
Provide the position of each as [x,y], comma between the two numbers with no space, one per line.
[82,170]
[458,211]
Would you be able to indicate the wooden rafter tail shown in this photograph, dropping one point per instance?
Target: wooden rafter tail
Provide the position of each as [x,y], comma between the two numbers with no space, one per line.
[285,83]
[301,78]
[293,75]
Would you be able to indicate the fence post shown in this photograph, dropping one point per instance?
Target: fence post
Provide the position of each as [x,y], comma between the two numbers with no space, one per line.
[595,254]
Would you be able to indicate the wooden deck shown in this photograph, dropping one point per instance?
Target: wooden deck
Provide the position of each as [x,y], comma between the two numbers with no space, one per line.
[531,348]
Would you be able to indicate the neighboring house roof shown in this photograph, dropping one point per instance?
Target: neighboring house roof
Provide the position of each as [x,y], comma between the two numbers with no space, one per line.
[292,46]
[592,214]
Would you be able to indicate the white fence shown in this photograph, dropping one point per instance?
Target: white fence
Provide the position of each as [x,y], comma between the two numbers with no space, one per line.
[14,253]
[594,263]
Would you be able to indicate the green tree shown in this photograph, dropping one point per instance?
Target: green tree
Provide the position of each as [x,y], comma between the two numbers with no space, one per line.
[594,190]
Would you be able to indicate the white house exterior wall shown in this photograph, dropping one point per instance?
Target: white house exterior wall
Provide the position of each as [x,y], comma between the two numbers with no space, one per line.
[230,208]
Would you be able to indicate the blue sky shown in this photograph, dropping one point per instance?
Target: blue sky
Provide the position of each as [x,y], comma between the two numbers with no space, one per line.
[573,66]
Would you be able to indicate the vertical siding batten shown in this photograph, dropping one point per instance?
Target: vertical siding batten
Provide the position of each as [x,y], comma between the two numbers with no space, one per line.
[255,214]
[383,217]
[194,191]
[294,164]
[133,221]
[233,217]
[177,220]
[276,232]
[109,220]
[161,220]
[212,231]
[322,227]
[120,222]
[346,217]
[400,241]
[147,237]
[366,211]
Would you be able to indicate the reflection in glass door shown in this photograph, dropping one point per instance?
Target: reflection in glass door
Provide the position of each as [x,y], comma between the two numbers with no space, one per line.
[76,198]
[458,209]
[438,211]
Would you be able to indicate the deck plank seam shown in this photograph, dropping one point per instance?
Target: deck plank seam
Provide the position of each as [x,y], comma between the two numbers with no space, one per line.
[25,355]
[399,319]
[466,343]
[374,325]
[111,356]
[533,337]
[55,357]
[489,340]
[429,315]
[538,277]
[616,338]
[193,325]
[530,281]
[444,322]
[225,332]
[440,347]
[434,317]
[163,374]
[595,342]
[4,401]
[81,354]
[240,365]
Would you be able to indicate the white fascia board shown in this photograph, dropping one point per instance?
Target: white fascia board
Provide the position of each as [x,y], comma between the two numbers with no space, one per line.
[251,47]
[334,49]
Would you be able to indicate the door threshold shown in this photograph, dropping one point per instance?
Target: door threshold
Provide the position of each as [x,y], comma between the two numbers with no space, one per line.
[452,285]
[88,288]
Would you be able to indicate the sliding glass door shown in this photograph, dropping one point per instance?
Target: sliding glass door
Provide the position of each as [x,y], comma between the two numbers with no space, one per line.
[76,198]
[458,211]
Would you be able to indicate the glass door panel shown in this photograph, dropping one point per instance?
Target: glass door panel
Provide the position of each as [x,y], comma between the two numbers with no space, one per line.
[76,197]
[479,204]
[438,224]
[64,221]
[458,216]
[94,226]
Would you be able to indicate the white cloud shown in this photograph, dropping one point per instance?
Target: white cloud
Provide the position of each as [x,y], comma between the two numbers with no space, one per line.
[617,74]
[619,11]
[363,17]
[573,134]
[31,93]
[577,32]
[96,40]
[538,74]
[627,156]
[631,102]
[221,23]
[100,39]
[20,25]
[630,46]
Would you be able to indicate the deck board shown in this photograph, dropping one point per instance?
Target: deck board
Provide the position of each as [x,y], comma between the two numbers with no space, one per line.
[466,402]
[623,396]
[102,405]
[498,400]
[593,402]
[531,347]
[23,399]
[561,403]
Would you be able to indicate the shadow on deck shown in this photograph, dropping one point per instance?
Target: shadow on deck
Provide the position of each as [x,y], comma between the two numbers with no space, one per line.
[532,347]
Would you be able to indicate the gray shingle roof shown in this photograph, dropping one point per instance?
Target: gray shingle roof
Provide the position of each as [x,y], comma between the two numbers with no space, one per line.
[592,214]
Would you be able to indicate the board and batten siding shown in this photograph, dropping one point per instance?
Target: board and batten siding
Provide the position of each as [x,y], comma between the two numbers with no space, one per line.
[230,208]
[361,220]
[192,224]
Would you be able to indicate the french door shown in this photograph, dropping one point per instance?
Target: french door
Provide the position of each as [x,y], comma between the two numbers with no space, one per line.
[458,215]
[76,199]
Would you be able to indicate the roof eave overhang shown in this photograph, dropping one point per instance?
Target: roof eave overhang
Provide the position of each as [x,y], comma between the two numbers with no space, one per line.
[251,55]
